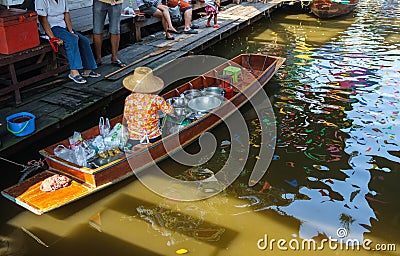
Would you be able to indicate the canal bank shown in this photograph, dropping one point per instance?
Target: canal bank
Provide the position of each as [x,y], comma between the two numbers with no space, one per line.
[67,102]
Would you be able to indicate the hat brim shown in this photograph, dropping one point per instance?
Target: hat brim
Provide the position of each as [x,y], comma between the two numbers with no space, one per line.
[156,84]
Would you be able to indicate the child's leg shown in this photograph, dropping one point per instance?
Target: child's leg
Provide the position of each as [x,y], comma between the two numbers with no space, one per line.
[215,19]
[209,20]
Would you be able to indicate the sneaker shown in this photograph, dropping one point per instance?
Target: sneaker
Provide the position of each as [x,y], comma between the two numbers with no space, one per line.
[77,79]
[91,74]
[217,26]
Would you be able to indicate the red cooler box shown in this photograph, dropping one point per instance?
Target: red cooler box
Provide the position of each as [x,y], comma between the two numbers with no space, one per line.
[18,30]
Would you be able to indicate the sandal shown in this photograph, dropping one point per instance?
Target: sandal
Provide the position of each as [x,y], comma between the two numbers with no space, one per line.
[190,31]
[217,26]
[91,74]
[77,79]
[208,25]
[118,63]
[173,32]
[169,38]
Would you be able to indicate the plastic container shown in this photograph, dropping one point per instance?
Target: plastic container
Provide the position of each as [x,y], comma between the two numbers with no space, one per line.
[18,30]
[21,124]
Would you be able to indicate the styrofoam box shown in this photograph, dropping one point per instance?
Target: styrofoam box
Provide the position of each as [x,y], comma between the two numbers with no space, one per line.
[11,2]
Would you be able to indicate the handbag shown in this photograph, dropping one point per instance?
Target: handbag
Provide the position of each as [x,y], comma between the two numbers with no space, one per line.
[175,13]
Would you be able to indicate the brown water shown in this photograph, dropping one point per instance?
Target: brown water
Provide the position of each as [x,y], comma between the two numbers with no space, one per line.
[336,163]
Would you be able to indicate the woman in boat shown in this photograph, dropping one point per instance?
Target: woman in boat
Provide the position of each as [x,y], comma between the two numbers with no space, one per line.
[142,106]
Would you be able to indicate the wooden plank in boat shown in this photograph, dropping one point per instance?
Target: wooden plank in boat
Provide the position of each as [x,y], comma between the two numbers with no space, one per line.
[29,195]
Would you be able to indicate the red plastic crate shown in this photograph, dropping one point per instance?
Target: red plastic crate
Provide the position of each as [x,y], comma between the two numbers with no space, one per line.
[18,30]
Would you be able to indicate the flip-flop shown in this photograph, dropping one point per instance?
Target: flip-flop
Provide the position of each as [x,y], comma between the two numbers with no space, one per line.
[170,38]
[173,32]
[194,26]
[190,31]
[118,63]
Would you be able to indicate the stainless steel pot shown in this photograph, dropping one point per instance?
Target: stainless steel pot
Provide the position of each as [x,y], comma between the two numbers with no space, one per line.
[213,91]
[177,102]
[191,94]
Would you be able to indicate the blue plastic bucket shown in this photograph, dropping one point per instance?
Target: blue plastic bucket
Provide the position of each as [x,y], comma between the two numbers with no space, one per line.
[21,124]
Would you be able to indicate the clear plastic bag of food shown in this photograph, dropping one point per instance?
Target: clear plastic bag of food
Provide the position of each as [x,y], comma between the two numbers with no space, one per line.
[75,140]
[104,126]
[65,153]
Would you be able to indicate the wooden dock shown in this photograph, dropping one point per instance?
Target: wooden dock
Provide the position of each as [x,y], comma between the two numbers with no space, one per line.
[68,102]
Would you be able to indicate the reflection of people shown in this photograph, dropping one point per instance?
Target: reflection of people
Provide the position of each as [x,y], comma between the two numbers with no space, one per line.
[212,10]
[56,22]
[156,9]
[186,9]
[112,8]
[142,106]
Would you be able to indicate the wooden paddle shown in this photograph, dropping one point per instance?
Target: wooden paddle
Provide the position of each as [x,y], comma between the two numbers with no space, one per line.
[158,51]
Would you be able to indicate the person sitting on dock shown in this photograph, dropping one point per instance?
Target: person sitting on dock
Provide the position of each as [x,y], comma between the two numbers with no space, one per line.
[142,105]
[56,22]
[156,9]
[186,9]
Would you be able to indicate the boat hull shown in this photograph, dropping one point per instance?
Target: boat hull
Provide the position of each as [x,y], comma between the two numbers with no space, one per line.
[326,9]
[92,180]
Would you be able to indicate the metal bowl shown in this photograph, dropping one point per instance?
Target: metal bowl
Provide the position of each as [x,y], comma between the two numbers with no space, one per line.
[177,102]
[204,103]
[179,114]
[213,91]
[191,94]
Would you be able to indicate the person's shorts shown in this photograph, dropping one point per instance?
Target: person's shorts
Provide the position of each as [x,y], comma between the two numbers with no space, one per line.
[148,10]
[183,5]
[100,11]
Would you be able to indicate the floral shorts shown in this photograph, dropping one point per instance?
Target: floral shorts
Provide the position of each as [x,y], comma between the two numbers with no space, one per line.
[211,10]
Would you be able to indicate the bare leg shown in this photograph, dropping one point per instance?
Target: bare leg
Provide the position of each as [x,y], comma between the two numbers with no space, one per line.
[98,41]
[209,19]
[159,14]
[215,19]
[187,16]
[114,46]
[165,13]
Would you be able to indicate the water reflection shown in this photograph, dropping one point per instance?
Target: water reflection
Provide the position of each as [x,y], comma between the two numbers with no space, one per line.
[337,116]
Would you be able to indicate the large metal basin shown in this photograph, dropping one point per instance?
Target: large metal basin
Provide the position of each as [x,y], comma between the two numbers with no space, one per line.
[204,103]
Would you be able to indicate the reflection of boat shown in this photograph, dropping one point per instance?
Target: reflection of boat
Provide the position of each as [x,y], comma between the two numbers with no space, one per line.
[259,70]
[332,8]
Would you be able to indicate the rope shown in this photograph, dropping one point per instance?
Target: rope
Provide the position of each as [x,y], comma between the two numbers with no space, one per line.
[31,166]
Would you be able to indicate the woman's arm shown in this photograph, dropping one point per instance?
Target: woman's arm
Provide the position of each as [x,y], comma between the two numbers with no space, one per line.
[67,19]
[46,26]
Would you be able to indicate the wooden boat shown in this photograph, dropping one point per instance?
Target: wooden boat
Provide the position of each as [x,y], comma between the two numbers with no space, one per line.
[332,8]
[86,181]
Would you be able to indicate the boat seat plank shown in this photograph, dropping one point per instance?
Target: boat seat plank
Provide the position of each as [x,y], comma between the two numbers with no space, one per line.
[28,193]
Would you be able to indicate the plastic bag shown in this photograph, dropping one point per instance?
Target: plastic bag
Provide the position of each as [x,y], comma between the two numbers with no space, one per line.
[116,138]
[80,155]
[75,140]
[104,126]
[65,153]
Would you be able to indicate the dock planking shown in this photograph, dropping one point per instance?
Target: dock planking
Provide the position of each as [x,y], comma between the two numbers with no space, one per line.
[70,102]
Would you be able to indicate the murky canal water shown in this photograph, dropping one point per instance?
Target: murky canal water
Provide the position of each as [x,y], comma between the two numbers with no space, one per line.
[335,169]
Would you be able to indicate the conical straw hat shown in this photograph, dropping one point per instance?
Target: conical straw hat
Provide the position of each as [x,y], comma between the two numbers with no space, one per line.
[143,81]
